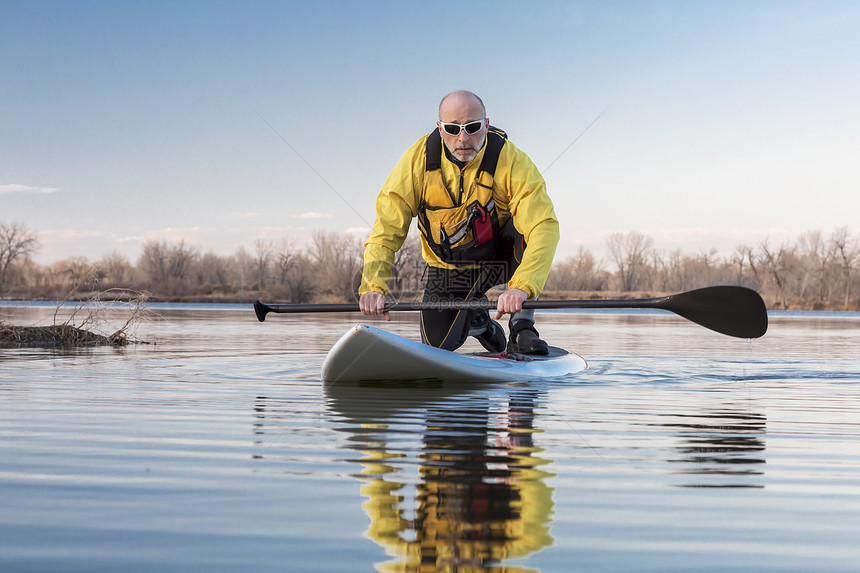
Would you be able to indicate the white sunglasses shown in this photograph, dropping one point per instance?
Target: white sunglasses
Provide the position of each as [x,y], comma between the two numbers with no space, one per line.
[471,128]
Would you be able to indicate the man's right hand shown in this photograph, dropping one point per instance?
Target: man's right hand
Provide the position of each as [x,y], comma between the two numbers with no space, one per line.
[373,303]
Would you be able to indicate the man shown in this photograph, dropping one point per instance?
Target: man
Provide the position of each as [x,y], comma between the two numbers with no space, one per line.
[485,219]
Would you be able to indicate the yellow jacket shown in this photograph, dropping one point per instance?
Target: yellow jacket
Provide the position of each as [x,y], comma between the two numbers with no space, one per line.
[519,191]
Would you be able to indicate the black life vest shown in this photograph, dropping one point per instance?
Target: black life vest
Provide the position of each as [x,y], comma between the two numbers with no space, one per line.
[460,234]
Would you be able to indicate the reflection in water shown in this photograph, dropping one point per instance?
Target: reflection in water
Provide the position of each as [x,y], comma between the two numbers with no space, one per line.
[259,430]
[479,496]
[723,448]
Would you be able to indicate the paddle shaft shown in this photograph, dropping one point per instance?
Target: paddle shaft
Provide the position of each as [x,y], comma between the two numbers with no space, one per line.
[735,311]
[465,305]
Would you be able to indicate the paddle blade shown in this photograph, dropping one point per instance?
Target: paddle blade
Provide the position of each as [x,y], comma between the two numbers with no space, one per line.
[260,310]
[735,311]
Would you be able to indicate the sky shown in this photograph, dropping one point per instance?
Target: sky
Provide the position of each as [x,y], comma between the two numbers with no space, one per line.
[699,124]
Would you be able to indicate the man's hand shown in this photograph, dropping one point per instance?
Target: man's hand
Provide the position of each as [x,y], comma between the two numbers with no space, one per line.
[510,302]
[373,303]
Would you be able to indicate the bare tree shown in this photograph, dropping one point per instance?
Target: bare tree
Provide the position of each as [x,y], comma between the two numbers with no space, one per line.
[16,243]
[30,275]
[168,265]
[708,266]
[816,256]
[779,265]
[743,261]
[286,257]
[337,260]
[264,251]
[670,271]
[154,260]
[180,258]
[847,250]
[114,269]
[77,271]
[578,272]
[296,274]
[299,284]
[408,267]
[630,253]
[242,265]
[212,273]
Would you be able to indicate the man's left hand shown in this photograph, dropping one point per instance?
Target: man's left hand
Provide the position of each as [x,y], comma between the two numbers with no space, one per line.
[510,302]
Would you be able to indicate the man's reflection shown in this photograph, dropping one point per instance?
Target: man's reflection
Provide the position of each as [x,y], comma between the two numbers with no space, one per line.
[479,496]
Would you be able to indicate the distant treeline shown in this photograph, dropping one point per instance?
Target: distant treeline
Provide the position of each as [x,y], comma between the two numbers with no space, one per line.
[815,272]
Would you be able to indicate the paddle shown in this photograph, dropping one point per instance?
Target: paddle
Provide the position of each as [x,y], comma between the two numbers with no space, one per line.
[735,311]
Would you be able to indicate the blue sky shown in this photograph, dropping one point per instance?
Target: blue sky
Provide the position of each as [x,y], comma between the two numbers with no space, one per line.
[723,123]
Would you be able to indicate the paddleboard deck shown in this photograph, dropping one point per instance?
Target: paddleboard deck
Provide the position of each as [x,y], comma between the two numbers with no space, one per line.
[367,353]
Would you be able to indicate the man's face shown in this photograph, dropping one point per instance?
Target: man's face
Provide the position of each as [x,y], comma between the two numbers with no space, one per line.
[463,109]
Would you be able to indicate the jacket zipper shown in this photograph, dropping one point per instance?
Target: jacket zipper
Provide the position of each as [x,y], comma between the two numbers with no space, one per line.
[460,197]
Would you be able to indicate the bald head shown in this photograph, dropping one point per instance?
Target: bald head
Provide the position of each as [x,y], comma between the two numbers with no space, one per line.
[460,100]
[462,108]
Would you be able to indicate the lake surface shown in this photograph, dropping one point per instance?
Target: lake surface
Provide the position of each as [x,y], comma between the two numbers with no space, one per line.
[219,449]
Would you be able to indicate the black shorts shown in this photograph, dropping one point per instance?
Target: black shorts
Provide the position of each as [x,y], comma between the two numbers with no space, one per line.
[448,329]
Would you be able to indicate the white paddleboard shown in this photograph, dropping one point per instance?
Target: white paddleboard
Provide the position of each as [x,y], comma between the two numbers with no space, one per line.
[366,353]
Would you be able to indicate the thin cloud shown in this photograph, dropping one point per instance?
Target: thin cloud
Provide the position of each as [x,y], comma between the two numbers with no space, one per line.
[17,188]
[313,215]
[356,231]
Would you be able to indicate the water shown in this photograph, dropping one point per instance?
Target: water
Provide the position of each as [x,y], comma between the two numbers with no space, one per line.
[219,449]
